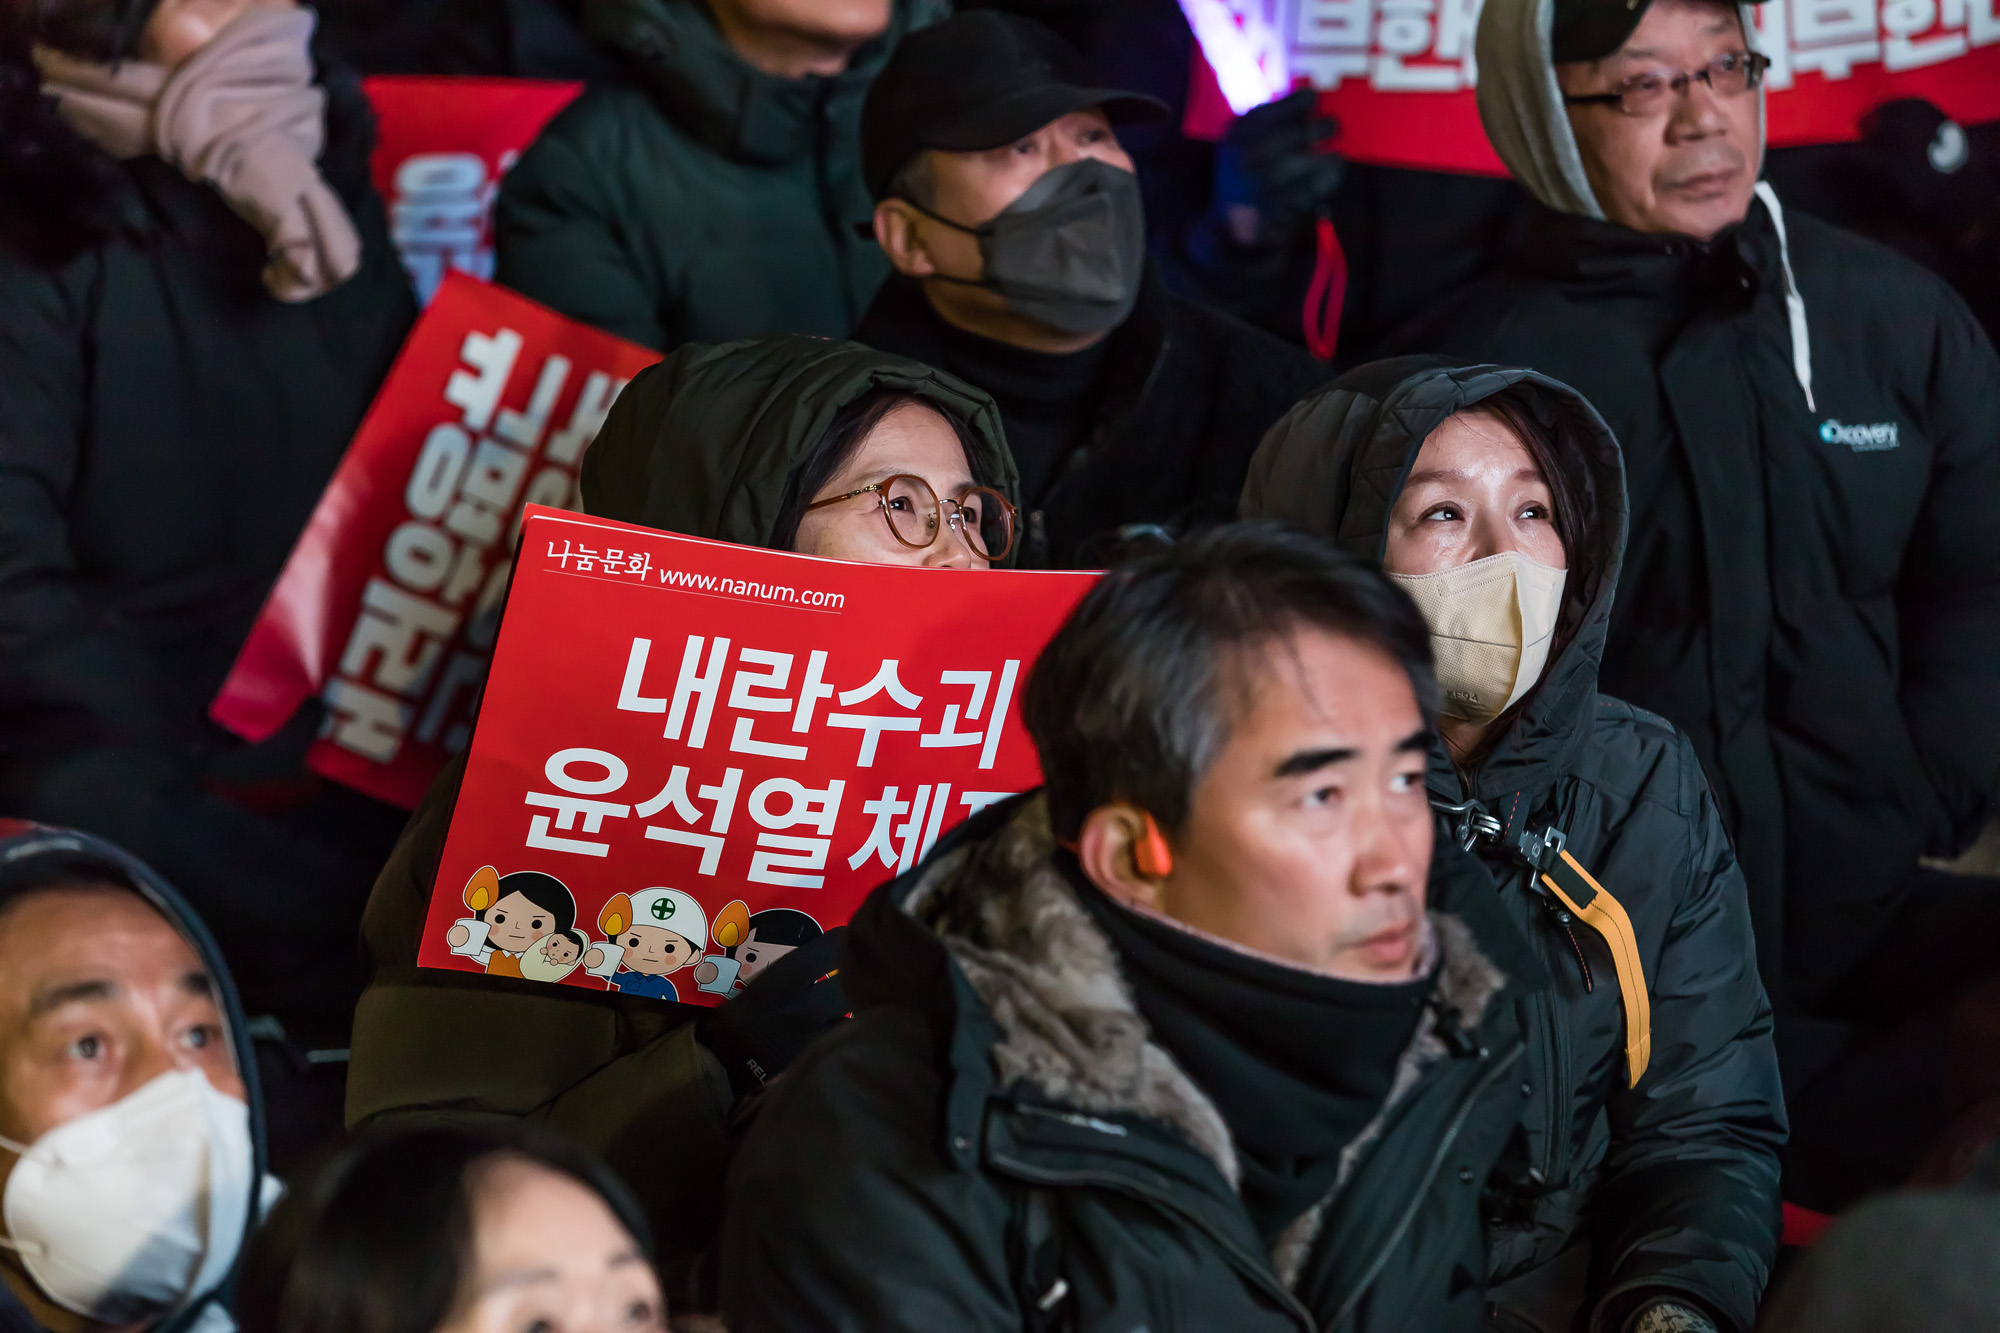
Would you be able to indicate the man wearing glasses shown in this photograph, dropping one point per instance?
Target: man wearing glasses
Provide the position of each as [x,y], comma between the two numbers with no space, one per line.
[1811,427]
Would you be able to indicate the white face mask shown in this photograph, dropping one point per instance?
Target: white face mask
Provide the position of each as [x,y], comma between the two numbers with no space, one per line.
[135,1208]
[1492,622]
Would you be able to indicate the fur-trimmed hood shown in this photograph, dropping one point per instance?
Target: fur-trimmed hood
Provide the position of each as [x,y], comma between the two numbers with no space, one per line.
[1059,1021]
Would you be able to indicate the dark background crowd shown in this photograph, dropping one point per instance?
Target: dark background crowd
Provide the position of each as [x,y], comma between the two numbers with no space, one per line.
[1698,888]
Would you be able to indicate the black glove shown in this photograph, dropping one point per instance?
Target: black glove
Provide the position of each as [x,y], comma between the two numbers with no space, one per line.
[1269,177]
[757,1033]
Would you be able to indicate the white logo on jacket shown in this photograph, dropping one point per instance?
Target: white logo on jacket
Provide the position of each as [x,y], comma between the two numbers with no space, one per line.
[1870,439]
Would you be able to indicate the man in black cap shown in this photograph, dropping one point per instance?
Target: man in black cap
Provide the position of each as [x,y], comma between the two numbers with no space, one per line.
[1811,427]
[1012,217]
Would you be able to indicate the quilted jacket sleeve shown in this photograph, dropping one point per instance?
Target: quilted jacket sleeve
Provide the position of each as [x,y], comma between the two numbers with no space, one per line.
[1688,1199]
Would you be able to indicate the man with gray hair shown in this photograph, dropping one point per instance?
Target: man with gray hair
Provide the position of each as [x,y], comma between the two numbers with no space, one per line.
[1210,1032]
[1811,427]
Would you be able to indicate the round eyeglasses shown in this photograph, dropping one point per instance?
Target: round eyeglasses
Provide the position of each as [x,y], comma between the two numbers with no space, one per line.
[982,517]
[1654,92]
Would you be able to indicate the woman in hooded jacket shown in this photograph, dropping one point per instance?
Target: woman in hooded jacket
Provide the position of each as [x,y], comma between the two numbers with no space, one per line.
[781,442]
[1642,1196]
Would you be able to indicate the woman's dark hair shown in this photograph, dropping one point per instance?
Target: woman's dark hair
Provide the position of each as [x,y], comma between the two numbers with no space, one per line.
[783,925]
[544,891]
[379,1238]
[1553,432]
[1534,417]
[1125,703]
[843,435]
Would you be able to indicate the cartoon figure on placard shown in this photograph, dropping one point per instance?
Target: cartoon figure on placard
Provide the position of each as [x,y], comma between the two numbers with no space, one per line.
[649,935]
[752,943]
[555,957]
[511,914]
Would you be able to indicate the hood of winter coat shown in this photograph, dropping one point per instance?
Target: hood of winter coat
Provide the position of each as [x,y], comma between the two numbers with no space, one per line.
[1336,462]
[1522,107]
[29,854]
[704,441]
[680,57]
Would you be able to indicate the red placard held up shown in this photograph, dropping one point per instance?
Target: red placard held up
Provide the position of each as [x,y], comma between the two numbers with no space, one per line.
[680,736]
[441,146]
[387,606]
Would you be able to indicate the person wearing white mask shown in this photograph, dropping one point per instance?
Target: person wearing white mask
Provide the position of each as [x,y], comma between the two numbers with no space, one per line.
[1642,1195]
[130,1139]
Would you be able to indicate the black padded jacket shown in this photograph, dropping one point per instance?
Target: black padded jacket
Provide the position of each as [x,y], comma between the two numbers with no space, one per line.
[1618,1193]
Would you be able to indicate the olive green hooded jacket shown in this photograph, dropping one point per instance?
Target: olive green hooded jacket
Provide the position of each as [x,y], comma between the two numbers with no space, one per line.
[696,199]
[702,443]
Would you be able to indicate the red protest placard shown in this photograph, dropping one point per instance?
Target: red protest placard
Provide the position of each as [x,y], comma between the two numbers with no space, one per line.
[1398,75]
[693,755]
[441,146]
[387,606]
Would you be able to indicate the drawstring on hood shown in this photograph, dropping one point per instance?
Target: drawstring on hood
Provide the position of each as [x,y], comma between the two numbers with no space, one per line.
[1522,108]
[1795,301]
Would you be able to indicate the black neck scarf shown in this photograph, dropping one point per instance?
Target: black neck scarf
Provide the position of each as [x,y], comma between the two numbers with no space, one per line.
[1297,1062]
[1047,400]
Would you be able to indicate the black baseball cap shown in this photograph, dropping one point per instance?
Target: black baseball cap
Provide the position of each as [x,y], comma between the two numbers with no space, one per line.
[1593,29]
[978,80]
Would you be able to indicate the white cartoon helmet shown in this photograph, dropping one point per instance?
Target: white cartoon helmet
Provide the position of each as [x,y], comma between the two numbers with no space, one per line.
[670,909]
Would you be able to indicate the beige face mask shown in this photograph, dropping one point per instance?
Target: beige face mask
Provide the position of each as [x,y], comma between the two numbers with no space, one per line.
[1492,622]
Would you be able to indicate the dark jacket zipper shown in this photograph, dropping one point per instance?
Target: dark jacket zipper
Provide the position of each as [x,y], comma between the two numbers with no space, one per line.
[1396,1233]
[1556,1094]
[1256,1269]
[1259,1269]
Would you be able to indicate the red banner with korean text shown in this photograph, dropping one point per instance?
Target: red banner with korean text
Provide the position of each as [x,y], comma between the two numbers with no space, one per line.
[441,146]
[1398,75]
[387,606]
[694,756]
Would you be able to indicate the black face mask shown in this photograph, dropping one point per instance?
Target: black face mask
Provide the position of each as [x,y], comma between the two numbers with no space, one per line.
[1070,251]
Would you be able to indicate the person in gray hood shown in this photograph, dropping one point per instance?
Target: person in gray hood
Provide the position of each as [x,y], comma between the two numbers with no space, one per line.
[1813,433]
[1812,429]
[1643,1193]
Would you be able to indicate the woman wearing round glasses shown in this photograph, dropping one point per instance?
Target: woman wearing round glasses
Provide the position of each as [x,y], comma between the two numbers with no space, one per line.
[792,443]
[893,483]
[809,445]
